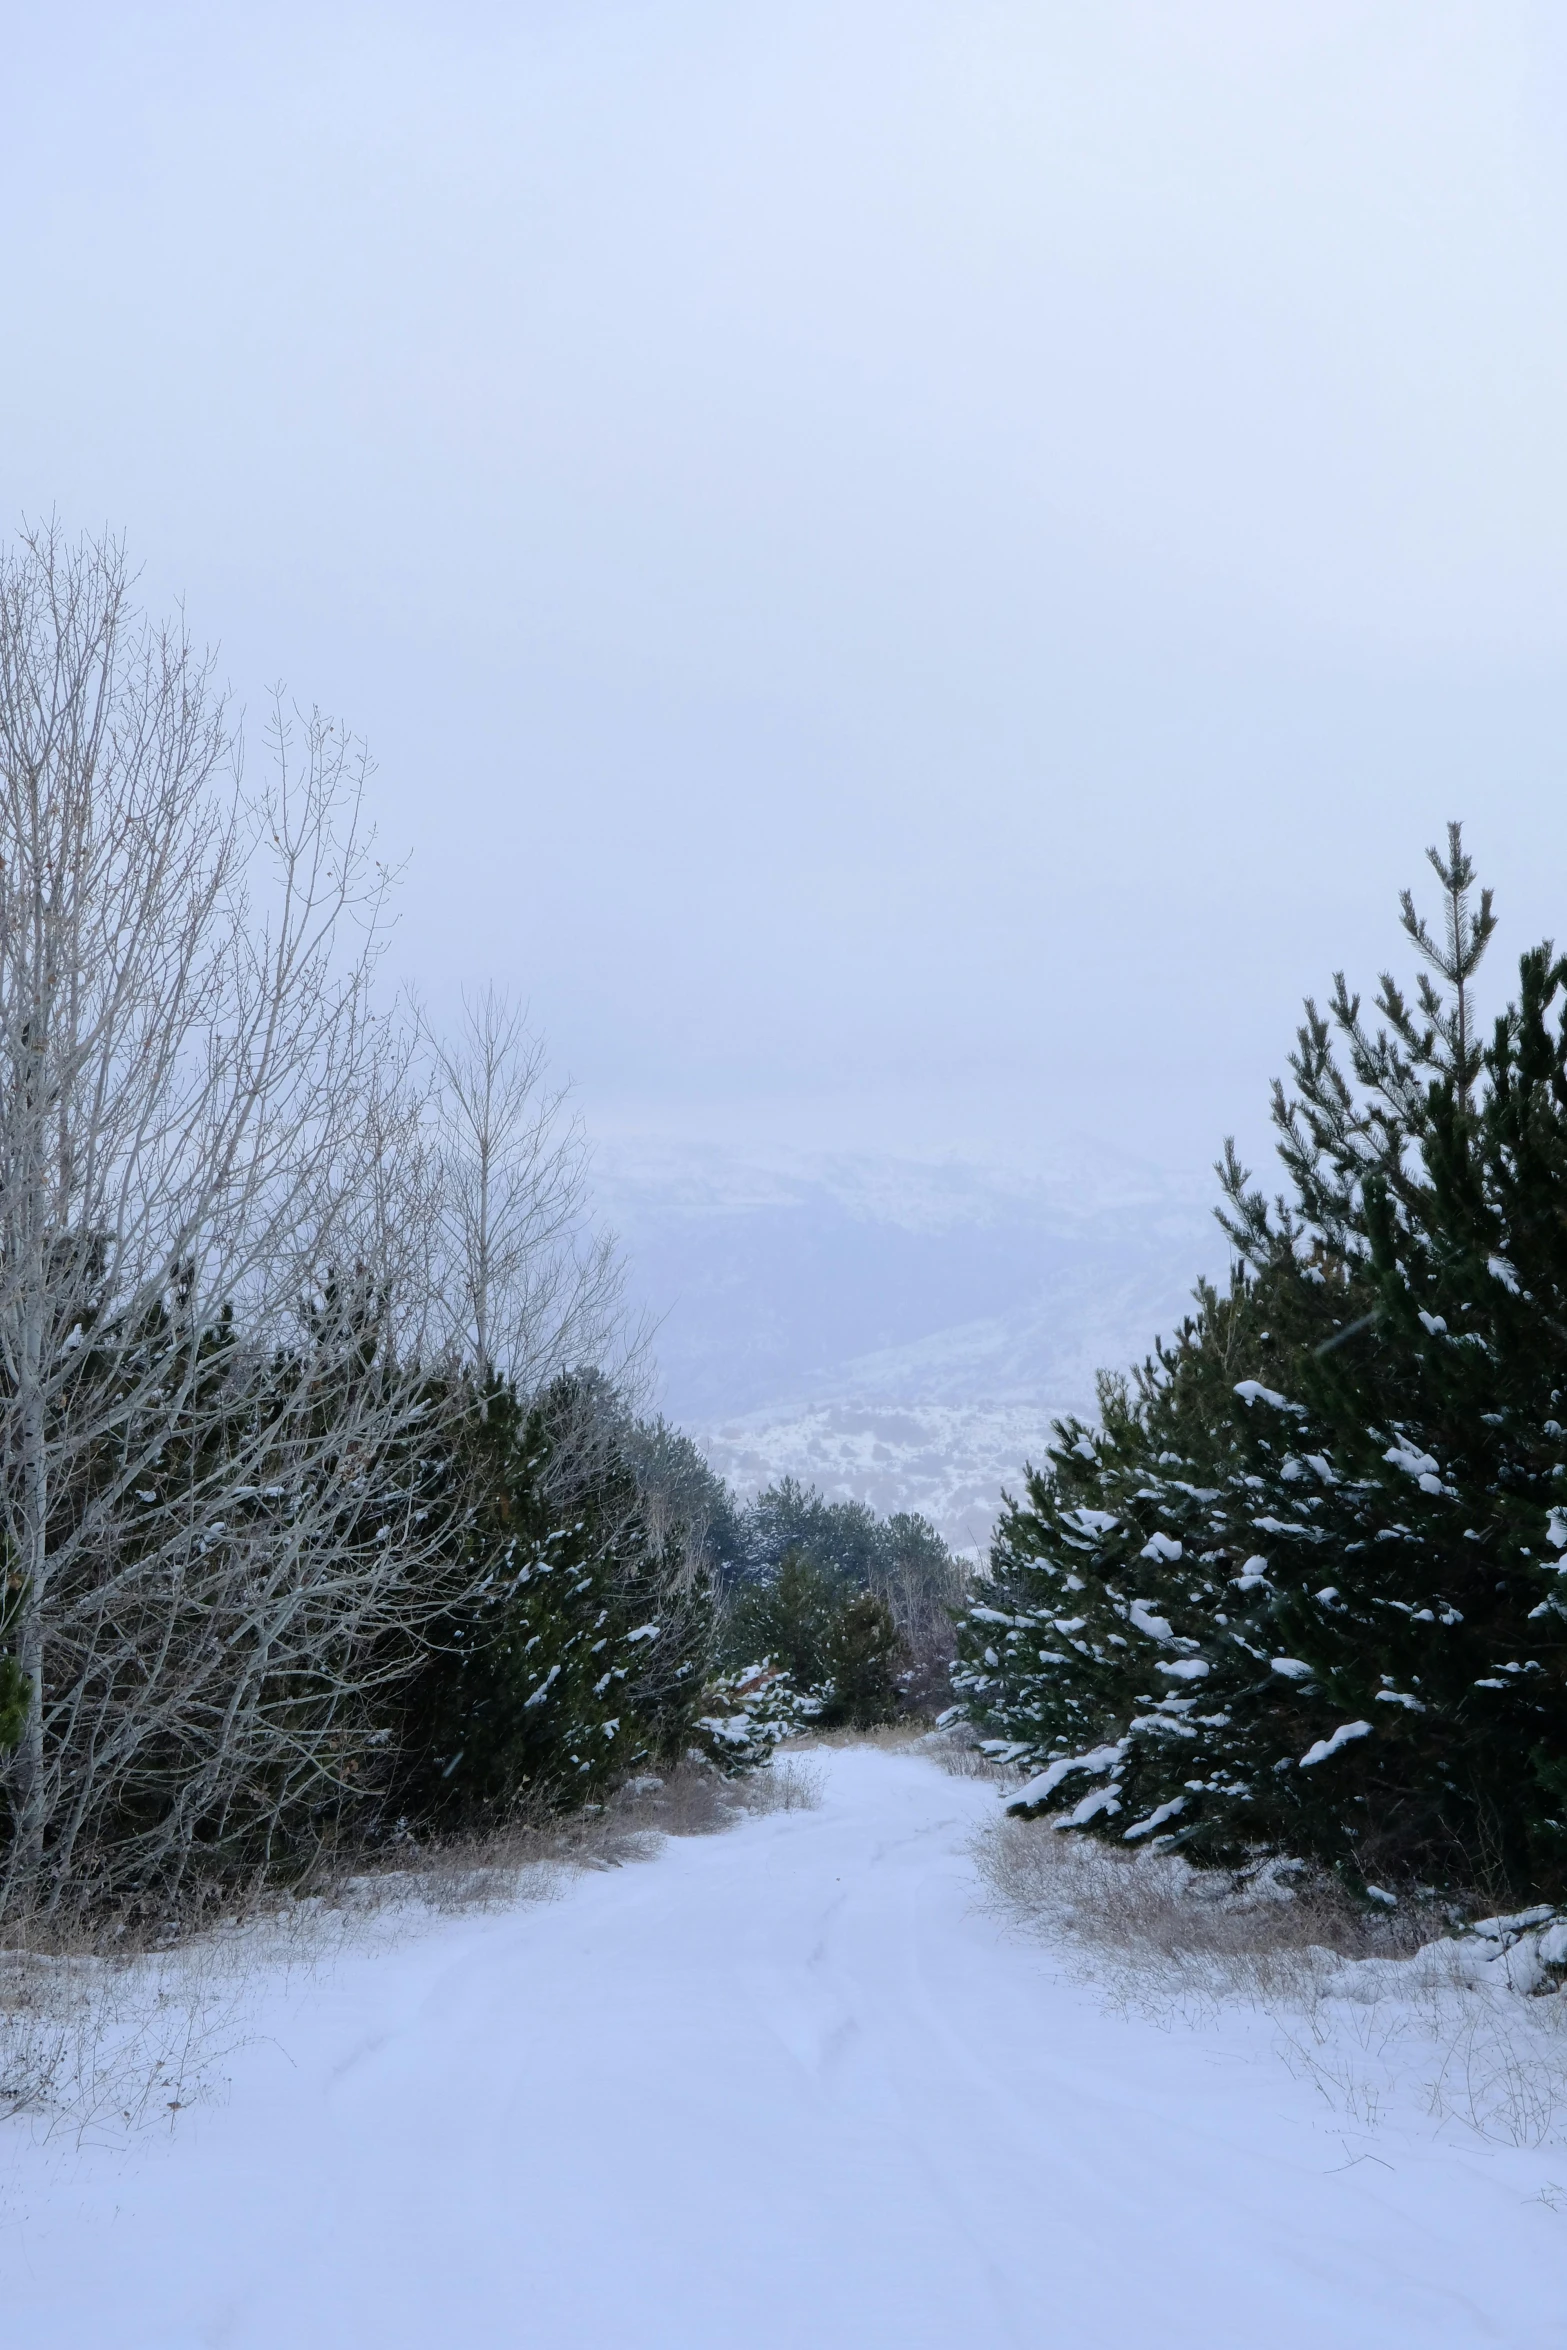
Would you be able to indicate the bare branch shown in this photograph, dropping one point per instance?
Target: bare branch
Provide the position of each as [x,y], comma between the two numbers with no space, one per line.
[213,1474]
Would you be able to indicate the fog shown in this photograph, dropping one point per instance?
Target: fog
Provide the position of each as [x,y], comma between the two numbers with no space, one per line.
[930,566]
[916,574]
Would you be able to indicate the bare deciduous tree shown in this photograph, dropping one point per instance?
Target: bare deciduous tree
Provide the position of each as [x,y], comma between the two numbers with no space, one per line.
[210,1468]
[531,1288]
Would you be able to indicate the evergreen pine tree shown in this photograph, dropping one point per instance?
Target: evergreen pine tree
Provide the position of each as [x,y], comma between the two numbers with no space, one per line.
[840,1538]
[839,1647]
[862,1653]
[785,1619]
[575,1657]
[1300,1591]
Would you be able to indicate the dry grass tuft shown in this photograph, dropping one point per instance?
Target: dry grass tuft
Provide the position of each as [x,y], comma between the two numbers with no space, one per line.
[901,1737]
[788,1783]
[1153,1908]
[957,1749]
[1373,2041]
[108,2045]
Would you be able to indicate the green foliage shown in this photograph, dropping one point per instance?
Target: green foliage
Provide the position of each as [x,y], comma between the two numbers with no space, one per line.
[787,1619]
[15,1697]
[1302,1590]
[577,1653]
[839,1538]
[778,1609]
[862,1653]
[683,1496]
[747,1711]
[838,1645]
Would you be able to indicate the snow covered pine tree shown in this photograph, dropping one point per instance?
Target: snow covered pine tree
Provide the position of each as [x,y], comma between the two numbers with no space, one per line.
[581,1646]
[1302,1591]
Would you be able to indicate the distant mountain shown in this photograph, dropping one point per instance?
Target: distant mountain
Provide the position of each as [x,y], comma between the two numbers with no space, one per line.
[898,1329]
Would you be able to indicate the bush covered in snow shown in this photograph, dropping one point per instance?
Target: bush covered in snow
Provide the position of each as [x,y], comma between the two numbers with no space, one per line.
[748,1711]
[1302,1589]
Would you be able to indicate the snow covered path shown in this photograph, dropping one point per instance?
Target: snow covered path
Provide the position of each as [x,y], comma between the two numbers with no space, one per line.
[785,2088]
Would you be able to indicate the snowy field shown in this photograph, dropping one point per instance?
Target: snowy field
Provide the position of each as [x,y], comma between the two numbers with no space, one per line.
[794,2084]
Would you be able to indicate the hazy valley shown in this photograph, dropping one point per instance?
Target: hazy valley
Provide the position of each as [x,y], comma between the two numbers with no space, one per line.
[897,1330]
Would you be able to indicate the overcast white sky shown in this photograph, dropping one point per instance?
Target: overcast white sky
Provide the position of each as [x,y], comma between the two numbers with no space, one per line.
[915,572]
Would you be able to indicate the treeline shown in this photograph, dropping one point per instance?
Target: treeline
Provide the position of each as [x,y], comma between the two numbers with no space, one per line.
[859,1612]
[620,1607]
[326,1508]
[1301,1589]
[269,1253]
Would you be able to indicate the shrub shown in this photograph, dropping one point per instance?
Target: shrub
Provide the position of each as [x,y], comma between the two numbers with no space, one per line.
[748,1711]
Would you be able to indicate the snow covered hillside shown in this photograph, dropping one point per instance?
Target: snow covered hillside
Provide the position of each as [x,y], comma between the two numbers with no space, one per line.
[896,1330]
[789,2084]
[949,1461]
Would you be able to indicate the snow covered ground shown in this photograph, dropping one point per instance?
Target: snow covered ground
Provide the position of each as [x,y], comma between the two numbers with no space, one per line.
[790,2085]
